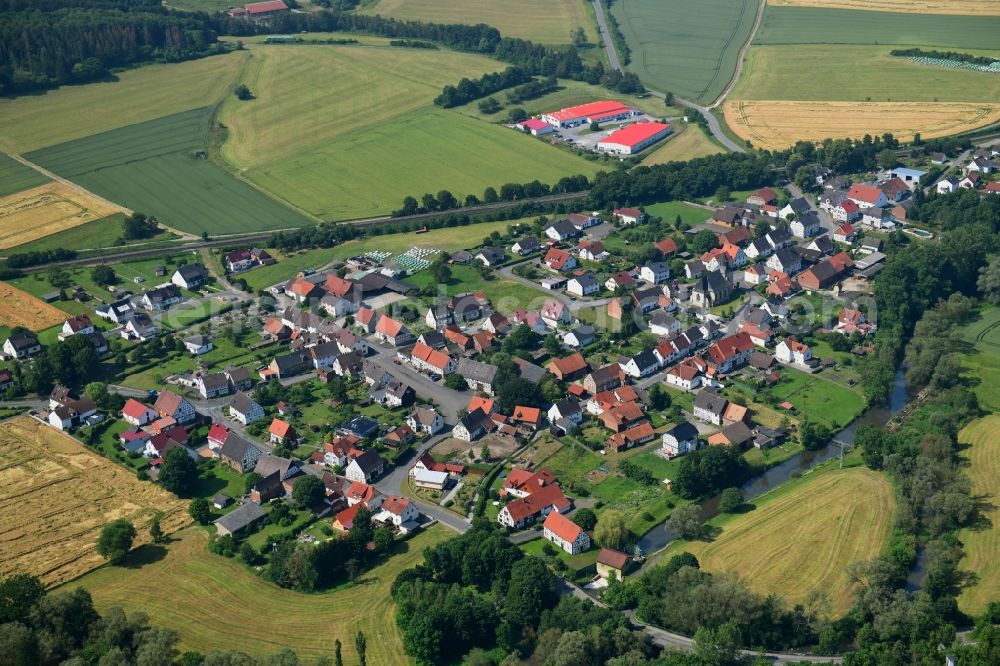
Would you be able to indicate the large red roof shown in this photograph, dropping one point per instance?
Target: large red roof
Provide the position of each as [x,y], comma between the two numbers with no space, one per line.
[595,109]
[562,527]
[635,134]
[263,7]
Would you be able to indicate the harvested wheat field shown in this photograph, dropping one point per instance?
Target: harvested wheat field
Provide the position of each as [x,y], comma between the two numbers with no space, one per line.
[55,496]
[776,125]
[982,542]
[41,211]
[980,8]
[802,536]
[19,308]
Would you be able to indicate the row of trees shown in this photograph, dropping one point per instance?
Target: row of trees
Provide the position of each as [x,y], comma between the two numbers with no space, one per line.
[467,89]
[445,200]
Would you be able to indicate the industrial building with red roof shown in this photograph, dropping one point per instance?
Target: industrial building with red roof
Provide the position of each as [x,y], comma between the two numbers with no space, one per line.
[632,139]
[599,112]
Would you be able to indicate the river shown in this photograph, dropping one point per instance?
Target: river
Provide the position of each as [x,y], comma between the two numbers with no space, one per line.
[661,535]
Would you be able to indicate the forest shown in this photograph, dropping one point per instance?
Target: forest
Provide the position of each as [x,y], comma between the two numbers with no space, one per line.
[47,43]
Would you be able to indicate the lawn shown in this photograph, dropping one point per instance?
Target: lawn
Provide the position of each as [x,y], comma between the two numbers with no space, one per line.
[208,599]
[581,567]
[982,542]
[348,131]
[547,23]
[145,93]
[15,177]
[153,167]
[447,239]
[425,150]
[857,73]
[817,399]
[687,48]
[802,536]
[505,295]
[816,25]
[688,142]
[982,360]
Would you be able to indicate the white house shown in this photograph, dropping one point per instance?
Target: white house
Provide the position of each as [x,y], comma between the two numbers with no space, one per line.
[566,534]
[681,439]
[656,272]
[80,325]
[365,467]
[425,420]
[584,285]
[137,414]
[396,511]
[947,185]
[22,345]
[684,376]
[190,276]
[198,344]
[791,350]
[245,409]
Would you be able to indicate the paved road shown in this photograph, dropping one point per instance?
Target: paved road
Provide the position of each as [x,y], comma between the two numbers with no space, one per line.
[573,304]
[602,29]
[706,111]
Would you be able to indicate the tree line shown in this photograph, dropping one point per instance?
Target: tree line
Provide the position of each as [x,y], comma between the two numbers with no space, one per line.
[955,56]
[467,89]
[49,43]
[445,200]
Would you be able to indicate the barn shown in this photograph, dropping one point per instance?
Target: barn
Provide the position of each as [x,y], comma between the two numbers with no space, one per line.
[634,138]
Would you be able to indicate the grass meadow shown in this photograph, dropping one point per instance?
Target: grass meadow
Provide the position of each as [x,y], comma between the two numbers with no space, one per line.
[370,172]
[209,599]
[817,399]
[982,359]
[688,142]
[547,23]
[688,48]
[669,210]
[145,93]
[802,536]
[347,131]
[820,25]
[857,73]
[982,542]
[15,177]
[152,167]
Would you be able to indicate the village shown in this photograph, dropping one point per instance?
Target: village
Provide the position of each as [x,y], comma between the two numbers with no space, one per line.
[581,394]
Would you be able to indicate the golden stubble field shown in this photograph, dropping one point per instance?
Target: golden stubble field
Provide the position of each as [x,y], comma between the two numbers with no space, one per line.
[979,8]
[42,211]
[56,496]
[776,125]
[803,538]
[19,308]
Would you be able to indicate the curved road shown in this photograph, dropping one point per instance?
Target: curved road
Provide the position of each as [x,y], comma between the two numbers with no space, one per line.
[706,111]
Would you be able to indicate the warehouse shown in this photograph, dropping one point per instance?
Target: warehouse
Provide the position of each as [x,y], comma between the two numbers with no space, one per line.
[600,112]
[535,126]
[634,138]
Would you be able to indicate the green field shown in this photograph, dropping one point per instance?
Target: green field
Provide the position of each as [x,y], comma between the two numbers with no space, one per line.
[982,543]
[818,399]
[548,23]
[669,210]
[688,48]
[348,131]
[209,600]
[817,25]
[857,73]
[424,151]
[15,177]
[145,93]
[982,359]
[151,167]
[802,536]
